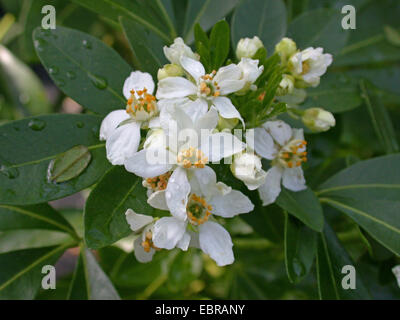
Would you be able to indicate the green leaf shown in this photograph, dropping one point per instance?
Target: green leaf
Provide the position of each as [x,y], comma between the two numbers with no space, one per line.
[206,13]
[304,205]
[146,46]
[203,47]
[336,93]
[263,18]
[90,281]
[219,44]
[69,165]
[21,86]
[83,67]
[21,276]
[105,221]
[28,239]
[30,144]
[369,192]
[319,28]
[380,118]
[40,216]
[331,258]
[141,13]
[300,248]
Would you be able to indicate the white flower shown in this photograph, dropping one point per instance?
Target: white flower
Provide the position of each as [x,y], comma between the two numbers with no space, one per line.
[247,167]
[396,272]
[143,225]
[169,70]
[250,73]
[318,120]
[286,86]
[248,47]
[207,89]
[121,128]
[309,65]
[177,50]
[286,48]
[286,147]
[207,198]
[167,153]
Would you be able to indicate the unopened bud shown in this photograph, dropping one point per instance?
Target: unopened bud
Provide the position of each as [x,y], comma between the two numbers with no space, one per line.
[286,48]
[318,120]
[248,47]
[169,70]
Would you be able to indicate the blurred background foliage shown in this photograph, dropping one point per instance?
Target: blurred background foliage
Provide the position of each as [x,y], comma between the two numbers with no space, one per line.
[362,88]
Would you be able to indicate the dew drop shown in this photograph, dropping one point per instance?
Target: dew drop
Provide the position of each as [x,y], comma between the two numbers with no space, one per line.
[95,131]
[40,44]
[60,83]
[80,124]
[99,82]
[37,124]
[71,75]
[53,70]
[87,44]
[10,173]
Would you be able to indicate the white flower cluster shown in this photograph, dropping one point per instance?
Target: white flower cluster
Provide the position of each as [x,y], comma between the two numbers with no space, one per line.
[191,103]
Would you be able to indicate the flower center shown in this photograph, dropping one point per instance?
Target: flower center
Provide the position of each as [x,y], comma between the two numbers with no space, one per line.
[208,87]
[305,67]
[293,154]
[158,183]
[147,243]
[192,158]
[198,210]
[141,106]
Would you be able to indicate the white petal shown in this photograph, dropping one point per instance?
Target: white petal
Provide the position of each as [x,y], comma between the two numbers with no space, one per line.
[155,123]
[138,81]
[175,87]
[193,67]
[279,130]
[177,192]
[196,109]
[157,200]
[271,189]
[230,72]
[168,231]
[123,143]
[264,144]
[220,145]
[226,109]
[231,204]
[207,121]
[205,180]
[293,179]
[183,244]
[141,255]
[298,134]
[111,122]
[230,86]
[139,165]
[216,242]
[137,221]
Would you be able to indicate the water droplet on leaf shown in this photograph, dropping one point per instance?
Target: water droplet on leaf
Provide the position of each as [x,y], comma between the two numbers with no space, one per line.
[80,124]
[9,172]
[87,44]
[37,124]
[53,70]
[99,82]
[71,75]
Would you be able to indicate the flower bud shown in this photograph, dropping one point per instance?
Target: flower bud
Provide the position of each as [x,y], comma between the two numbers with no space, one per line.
[247,47]
[177,50]
[247,167]
[169,70]
[224,123]
[318,120]
[286,48]
[286,85]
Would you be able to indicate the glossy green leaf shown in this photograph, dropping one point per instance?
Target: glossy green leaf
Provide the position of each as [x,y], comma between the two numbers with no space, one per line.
[146,46]
[30,144]
[69,164]
[331,258]
[380,118]
[90,281]
[300,248]
[40,216]
[304,205]
[21,86]
[203,47]
[105,221]
[319,28]
[369,192]
[142,13]
[206,13]
[336,93]
[21,276]
[263,18]
[219,44]
[83,67]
